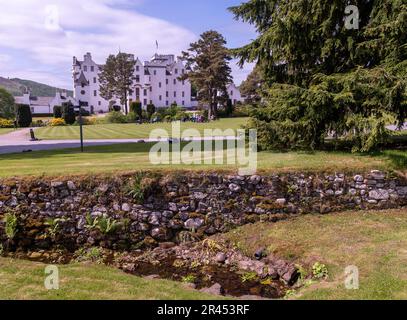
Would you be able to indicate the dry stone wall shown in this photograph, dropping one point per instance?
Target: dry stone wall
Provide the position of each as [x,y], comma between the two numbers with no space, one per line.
[131,211]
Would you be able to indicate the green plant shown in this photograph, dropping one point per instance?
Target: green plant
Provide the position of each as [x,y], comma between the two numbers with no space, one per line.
[68,113]
[107,225]
[302,272]
[289,294]
[319,271]
[140,187]
[188,279]
[249,276]
[91,223]
[53,226]
[93,254]
[116,117]
[57,112]
[1,249]
[11,225]
[24,116]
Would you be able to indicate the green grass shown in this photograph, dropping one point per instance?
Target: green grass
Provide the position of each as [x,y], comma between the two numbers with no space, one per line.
[24,280]
[5,130]
[130,131]
[130,157]
[374,241]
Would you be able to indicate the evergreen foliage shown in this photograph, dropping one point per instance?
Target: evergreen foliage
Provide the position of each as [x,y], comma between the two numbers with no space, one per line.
[23,115]
[322,79]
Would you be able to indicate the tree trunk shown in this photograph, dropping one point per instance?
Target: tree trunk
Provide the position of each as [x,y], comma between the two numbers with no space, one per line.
[125,104]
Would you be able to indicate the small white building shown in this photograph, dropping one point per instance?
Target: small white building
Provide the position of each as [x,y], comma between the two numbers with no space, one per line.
[155,82]
[44,105]
[234,94]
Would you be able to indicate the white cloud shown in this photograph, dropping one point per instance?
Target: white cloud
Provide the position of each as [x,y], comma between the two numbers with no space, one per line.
[51,34]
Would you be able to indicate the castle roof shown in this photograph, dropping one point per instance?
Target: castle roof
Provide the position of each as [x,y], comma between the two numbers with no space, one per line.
[82,80]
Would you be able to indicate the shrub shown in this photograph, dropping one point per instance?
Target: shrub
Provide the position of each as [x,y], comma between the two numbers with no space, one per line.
[7,106]
[137,108]
[4,123]
[150,110]
[86,121]
[38,123]
[132,117]
[57,122]
[68,113]
[57,111]
[116,117]
[24,116]
[319,271]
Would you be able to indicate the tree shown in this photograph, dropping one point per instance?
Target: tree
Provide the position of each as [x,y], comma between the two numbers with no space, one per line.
[323,77]
[229,108]
[150,110]
[57,111]
[116,78]
[68,113]
[207,64]
[251,87]
[7,106]
[23,115]
[137,108]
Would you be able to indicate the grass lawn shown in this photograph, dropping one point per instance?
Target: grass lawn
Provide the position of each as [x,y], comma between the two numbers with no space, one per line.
[130,131]
[5,130]
[130,157]
[375,242]
[24,280]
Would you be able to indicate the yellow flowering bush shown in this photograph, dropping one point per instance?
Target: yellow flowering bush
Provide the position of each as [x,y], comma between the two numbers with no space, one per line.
[4,123]
[57,122]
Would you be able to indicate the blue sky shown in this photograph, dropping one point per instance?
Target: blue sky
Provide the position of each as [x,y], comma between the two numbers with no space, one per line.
[37,41]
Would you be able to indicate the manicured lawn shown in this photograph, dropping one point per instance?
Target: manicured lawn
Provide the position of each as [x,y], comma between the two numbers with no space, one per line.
[131,131]
[5,130]
[24,280]
[131,157]
[374,241]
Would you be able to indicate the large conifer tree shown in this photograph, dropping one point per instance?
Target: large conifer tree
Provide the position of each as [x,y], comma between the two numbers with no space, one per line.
[207,63]
[324,78]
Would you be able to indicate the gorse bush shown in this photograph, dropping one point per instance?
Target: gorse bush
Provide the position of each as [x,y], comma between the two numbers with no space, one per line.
[4,123]
[57,122]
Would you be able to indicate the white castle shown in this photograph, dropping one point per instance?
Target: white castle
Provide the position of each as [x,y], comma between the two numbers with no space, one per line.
[155,82]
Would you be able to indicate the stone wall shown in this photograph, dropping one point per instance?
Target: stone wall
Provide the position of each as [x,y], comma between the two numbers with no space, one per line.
[132,211]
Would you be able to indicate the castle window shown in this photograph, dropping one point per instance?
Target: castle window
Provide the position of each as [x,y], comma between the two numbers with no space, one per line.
[151,89]
[183,94]
[82,92]
[160,98]
[159,84]
[167,103]
[95,93]
[145,92]
[94,80]
[137,68]
[145,102]
[183,103]
[167,94]
[99,103]
[92,68]
[176,71]
[183,82]
[175,94]
[137,78]
[155,72]
[166,81]
[137,91]
[175,81]
[85,68]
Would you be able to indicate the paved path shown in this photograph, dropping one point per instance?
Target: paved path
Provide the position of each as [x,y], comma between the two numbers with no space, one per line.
[19,141]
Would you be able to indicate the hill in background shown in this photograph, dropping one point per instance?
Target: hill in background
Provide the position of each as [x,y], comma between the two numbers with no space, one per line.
[17,87]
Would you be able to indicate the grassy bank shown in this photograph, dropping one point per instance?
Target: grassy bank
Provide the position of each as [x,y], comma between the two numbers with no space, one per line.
[24,280]
[373,241]
[129,157]
[5,130]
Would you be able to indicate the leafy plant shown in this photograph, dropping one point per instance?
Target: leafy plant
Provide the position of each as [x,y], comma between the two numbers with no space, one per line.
[93,254]
[319,271]
[107,225]
[91,223]
[249,276]
[11,224]
[211,246]
[53,226]
[140,187]
[1,249]
[189,279]
[289,294]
